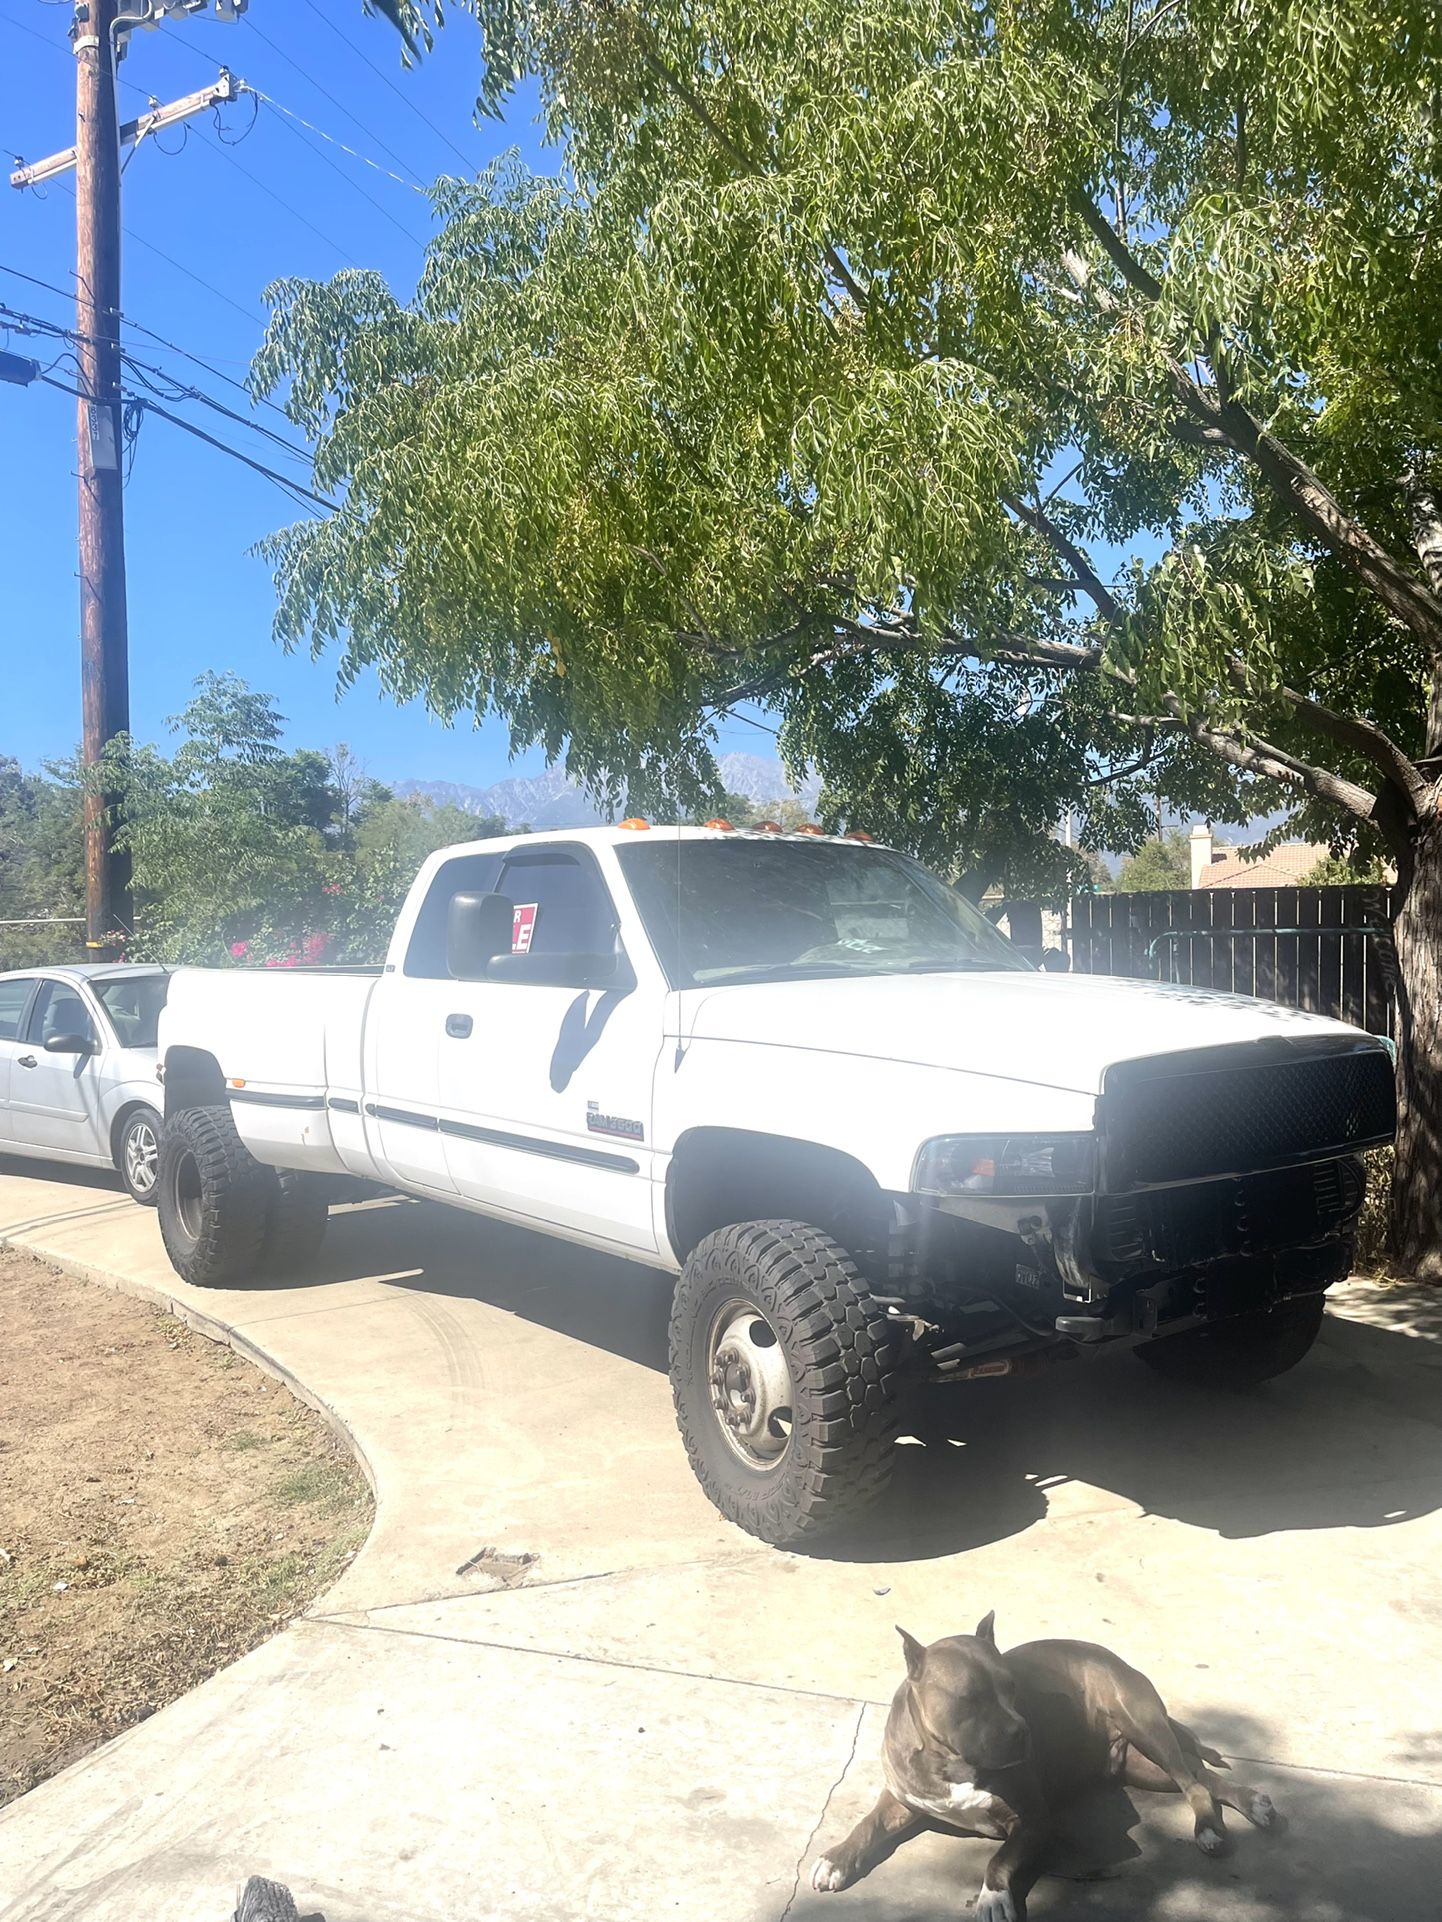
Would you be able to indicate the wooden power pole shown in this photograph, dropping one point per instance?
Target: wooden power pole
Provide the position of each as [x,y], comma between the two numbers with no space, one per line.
[104,638]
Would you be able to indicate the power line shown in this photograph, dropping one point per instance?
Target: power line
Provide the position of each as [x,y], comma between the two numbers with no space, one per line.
[291,487]
[425,118]
[353,184]
[365,159]
[249,313]
[148,373]
[339,105]
[227,153]
[135,326]
[33,32]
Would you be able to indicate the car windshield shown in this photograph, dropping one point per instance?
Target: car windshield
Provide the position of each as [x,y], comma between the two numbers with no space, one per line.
[781,910]
[133,1003]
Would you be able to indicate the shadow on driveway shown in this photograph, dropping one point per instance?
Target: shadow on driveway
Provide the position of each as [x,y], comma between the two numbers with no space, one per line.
[1349,1439]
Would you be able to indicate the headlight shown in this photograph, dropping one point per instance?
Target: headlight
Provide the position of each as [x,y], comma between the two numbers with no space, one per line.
[1011,1167]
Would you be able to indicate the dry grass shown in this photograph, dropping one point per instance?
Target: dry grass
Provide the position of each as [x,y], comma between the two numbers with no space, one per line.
[163,1508]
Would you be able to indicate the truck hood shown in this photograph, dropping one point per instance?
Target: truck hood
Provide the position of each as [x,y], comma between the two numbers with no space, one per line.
[1055,1030]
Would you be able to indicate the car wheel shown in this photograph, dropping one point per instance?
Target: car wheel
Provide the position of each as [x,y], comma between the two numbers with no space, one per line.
[214,1198]
[784,1372]
[137,1155]
[1242,1351]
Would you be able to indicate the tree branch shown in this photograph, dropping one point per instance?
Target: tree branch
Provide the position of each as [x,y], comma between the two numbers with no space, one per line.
[1367,738]
[1226,422]
[1096,588]
[1273,764]
[1121,256]
[1426,519]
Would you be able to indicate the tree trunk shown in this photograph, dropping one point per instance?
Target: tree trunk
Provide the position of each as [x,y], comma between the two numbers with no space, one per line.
[1416,1224]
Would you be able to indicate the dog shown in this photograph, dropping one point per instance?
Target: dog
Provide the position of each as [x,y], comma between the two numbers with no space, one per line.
[994,1745]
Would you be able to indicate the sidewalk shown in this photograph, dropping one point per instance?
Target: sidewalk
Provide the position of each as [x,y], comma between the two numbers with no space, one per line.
[625,1708]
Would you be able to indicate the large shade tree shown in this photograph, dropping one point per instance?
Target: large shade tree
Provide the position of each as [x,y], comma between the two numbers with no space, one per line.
[930,374]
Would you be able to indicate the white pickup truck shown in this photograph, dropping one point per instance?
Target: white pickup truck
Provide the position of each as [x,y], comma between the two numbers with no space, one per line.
[807,1077]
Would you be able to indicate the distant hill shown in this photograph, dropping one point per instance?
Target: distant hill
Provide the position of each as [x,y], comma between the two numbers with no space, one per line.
[551,800]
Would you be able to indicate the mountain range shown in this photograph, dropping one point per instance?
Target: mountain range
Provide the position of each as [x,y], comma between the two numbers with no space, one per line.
[553,800]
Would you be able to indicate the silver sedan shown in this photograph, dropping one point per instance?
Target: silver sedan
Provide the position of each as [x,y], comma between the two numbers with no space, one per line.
[77,1068]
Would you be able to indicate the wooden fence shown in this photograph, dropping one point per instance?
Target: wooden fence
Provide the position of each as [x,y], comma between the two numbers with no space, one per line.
[1324,949]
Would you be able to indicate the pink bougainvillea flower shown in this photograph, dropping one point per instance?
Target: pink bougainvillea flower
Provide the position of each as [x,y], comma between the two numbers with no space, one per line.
[239,949]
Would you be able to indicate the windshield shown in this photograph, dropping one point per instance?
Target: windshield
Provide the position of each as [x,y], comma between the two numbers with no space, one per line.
[133,1003]
[754,910]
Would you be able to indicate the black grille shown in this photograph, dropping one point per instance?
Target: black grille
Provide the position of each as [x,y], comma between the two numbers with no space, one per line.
[1209,1120]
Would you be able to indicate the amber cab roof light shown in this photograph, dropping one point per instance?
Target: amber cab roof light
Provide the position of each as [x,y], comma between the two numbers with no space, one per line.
[860,834]
[721,824]
[768,827]
[635,821]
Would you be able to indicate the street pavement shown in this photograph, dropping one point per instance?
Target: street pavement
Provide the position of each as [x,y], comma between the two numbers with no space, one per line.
[555,1684]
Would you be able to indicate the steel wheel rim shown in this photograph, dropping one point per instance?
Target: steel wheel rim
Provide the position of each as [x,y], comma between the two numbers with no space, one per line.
[750,1385]
[185,1186]
[142,1156]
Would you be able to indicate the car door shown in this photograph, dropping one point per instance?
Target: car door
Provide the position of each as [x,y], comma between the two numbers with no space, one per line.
[15,996]
[405,1023]
[545,1091]
[55,1098]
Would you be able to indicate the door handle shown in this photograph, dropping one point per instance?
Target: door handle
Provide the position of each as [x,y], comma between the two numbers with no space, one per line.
[27,1061]
[458,1026]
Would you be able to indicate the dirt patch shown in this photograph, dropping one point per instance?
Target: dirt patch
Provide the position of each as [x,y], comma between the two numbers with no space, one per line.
[164,1507]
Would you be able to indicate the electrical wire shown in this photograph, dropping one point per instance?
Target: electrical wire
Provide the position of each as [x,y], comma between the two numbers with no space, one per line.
[334,166]
[291,61]
[248,313]
[241,138]
[270,193]
[291,487]
[134,325]
[424,118]
[364,159]
[148,375]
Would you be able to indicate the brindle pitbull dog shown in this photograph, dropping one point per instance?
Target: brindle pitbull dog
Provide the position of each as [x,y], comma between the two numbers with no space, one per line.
[989,1744]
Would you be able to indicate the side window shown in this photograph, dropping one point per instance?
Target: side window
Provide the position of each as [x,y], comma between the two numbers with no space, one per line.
[562,906]
[467,874]
[13,996]
[58,1009]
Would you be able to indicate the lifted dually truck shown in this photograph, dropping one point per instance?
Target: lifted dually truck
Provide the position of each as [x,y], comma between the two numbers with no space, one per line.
[809,1079]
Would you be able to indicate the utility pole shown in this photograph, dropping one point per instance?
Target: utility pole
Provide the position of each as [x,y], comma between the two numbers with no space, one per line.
[96,33]
[104,637]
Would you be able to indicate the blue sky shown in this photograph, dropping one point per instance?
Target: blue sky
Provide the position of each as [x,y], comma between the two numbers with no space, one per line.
[198,599]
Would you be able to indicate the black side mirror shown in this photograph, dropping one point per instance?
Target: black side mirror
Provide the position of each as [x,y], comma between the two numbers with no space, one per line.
[69,1044]
[1055,962]
[478,928]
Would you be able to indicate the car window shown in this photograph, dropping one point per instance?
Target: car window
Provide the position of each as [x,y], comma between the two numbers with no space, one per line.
[13,996]
[58,1009]
[467,874]
[562,905]
[132,1003]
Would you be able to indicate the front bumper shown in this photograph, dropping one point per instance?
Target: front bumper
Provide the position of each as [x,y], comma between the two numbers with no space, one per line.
[1105,1267]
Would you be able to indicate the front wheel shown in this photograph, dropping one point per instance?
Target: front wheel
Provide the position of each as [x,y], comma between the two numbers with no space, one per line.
[1243,1351]
[137,1155]
[783,1370]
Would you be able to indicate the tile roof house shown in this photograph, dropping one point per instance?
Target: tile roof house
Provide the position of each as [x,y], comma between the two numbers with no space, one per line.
[1221,867]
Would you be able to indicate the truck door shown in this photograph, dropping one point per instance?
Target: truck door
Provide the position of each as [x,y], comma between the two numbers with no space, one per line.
[545,1092]
[405,1027]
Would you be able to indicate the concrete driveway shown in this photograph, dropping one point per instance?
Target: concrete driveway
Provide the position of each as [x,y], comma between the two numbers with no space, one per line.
[555,1684]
